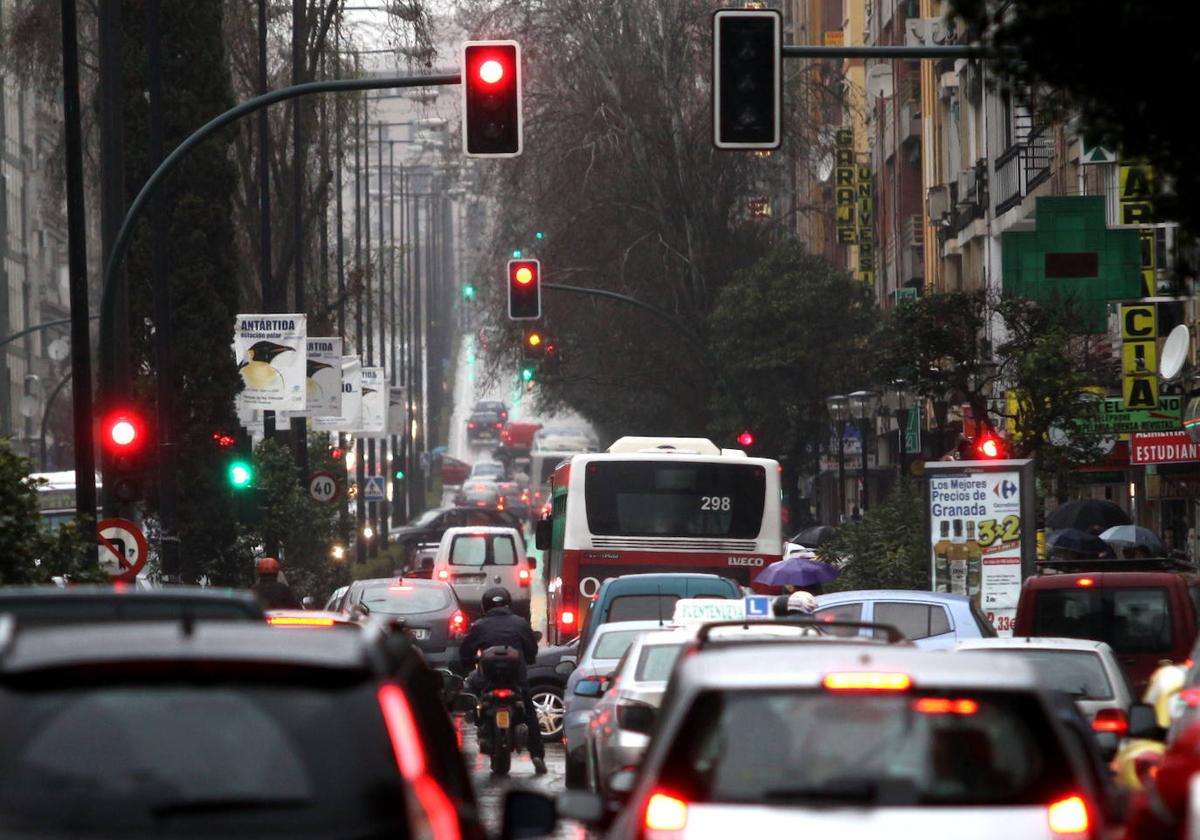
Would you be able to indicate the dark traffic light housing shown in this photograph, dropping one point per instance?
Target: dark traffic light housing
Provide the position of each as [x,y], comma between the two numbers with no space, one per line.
[491,74]
[524,290]
[747,78]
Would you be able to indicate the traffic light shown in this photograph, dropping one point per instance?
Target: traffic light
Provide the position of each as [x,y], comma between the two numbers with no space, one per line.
[524,290]
[746,439]
[491,72]
[747,78]
[468,292]
[535,345]
[237,459]
[988,446]
[123,438]
[527,371]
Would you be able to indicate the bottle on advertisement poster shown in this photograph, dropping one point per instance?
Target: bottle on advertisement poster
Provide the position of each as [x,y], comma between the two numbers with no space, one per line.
[941,559]
[974,563]
[958,560]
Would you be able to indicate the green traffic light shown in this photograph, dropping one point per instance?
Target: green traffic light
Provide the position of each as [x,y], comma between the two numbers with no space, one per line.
[399,475]
[527,373]
[539,235]
[468,292]
[240,474]
[516,253]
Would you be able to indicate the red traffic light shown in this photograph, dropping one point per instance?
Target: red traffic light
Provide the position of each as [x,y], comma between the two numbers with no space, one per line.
[988,448]
[746,438]
[491,98]
[491,71]
[122,431]
[223,440]
[524,290]
[336,453]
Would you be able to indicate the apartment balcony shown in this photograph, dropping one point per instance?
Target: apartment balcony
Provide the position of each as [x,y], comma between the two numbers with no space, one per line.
[1022,167]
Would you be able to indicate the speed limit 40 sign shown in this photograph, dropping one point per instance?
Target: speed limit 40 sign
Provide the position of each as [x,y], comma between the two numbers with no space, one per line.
[324,487]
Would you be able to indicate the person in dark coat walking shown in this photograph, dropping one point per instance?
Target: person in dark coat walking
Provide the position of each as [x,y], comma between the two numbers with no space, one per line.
[501,627]
[273,594]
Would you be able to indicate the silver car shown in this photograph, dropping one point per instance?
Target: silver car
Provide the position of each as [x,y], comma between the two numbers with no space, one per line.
[474,559]
[1086,670]
[621,723]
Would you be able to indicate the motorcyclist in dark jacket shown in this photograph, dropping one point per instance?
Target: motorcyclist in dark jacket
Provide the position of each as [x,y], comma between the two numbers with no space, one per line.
[273,594]
[499,626]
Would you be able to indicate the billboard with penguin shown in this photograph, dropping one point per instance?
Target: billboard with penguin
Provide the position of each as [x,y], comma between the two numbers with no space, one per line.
[272,356]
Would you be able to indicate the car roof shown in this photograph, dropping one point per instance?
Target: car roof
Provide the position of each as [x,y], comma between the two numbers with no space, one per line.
[420,583]
[890,595]
[166,593]
[749,665]
[1033,643]
[1101,579]
[480,530]
[50,648]
[643,624]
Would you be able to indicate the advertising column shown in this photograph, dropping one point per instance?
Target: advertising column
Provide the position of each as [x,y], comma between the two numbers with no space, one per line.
[982,540]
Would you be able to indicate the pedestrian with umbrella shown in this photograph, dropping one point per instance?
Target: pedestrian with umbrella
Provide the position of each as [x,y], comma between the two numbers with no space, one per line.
[1074,544]
[1134,541]
[800,570]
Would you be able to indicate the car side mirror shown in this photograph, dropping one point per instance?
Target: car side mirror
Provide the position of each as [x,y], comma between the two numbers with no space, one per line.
[638,718]
[528,814]
[582,806]
[564,667]
[359,611]
[542,534]
[1143,722]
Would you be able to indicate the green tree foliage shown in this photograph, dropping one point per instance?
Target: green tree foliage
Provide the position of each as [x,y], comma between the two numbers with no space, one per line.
[30,552]
[1086,57]
[886,549]
[196,208]
[786,333]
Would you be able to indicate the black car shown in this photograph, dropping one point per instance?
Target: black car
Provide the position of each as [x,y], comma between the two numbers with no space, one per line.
[484,426]
[495,406]
[225,729]
[430,525]
[547,682]
[52,605]
[428,609]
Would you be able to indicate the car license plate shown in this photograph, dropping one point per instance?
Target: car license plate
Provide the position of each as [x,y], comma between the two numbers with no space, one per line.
[502,719]
[470,578]
[419,633]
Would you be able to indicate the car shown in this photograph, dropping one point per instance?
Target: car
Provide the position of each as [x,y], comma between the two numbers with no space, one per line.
[514,499]
[1083,669]
[481,494]
[454,472]
[228,729]
[547,684]
[429,526]
[565,439]
[486,471]
[45,605]
[427,610]
[650,596]
[619,730]
[484,427]
[332,601]
[473,560]
[518,436]
[494,406]
[1145,616]
[855,741]
[932,620]
[600,656]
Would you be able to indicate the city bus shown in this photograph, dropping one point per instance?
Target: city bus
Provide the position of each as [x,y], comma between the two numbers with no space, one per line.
[56,496]
[655,505]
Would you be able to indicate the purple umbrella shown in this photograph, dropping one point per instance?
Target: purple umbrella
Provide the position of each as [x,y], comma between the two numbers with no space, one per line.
[797,570]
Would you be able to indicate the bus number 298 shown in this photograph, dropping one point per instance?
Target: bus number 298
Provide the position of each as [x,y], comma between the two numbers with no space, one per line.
[715,502]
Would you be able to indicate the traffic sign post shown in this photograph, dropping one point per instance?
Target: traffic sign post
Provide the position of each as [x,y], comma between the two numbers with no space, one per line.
[373,489]
[123,548]
[324,487]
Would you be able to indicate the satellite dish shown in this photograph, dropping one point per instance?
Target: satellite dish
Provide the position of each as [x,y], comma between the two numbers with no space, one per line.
[825,167]
[1175,353]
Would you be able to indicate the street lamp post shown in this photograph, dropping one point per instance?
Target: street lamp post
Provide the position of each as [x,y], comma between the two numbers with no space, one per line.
[839,410]
[899,402]
[863,405]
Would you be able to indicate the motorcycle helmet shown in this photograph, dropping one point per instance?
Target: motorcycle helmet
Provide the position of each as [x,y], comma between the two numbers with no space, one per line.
[802,602]
[497,596]
[267,566]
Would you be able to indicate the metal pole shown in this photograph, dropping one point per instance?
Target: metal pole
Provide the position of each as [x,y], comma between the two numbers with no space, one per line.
[903,418]
[394,375]
[841,427]
[81,357]
[381,508]
[368,273]
[264,207]
[360,472]
[865,446]
[299,424]
[168,469]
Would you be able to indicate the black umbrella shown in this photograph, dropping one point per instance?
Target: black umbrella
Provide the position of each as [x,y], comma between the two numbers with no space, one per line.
[1076,541]
[1091,515]
[814,536]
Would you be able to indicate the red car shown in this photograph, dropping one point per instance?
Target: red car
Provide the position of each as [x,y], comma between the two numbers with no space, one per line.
[518,435]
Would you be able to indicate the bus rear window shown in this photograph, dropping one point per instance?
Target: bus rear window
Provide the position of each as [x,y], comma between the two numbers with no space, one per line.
[675,499]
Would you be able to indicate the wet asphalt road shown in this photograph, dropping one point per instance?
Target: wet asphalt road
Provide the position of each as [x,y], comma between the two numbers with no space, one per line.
[490,789]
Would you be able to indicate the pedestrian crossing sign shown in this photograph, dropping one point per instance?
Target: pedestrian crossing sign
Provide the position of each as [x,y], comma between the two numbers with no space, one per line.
[373,489]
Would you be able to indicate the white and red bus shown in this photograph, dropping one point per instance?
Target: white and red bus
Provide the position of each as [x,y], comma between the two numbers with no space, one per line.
[655,505]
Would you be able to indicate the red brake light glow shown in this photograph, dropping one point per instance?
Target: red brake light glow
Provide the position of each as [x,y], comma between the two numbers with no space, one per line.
[298,621]
[1111,720]
[989,448]
[523,577]
[945,706]
[443,574]
[665,813]
[867,681]
[438,808]
[458,623]
[1085,582]
[566,618]
[1069,816]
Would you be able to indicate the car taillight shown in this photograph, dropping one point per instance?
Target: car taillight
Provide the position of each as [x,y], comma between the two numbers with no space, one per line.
[523,577]
[499,425]
[458,623]
[945,706]
[470,425]
[1111,720]
[436,808]
[1146,764]
[443,574]
[665,813]
[566,618]
[1069,816]
[867,681]
[298,621]
[1085,582]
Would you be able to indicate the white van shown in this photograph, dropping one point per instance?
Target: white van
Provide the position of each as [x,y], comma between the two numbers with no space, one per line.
[473,560]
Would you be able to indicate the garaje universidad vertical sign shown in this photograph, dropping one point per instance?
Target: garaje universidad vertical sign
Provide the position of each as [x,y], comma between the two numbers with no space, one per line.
[981,538]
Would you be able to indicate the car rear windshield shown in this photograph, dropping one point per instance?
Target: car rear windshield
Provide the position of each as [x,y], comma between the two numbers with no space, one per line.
[896,749]
[480,549]
[1079,673]
[659,498]
[613,644]
[1130,619]
[405,599]
[201,757]
[642,607]
[656,662]
[51,610]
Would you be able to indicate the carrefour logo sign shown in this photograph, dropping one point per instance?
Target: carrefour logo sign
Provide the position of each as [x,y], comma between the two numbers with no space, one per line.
[1004,489]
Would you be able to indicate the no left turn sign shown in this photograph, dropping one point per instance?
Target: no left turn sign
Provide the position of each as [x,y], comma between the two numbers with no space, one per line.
[123,548]
[324,487]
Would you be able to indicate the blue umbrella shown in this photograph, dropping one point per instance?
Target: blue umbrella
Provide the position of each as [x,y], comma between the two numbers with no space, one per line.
[1080,542]
[797,570]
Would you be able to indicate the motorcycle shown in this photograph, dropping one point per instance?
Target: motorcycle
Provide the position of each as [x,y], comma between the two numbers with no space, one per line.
[501,712]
